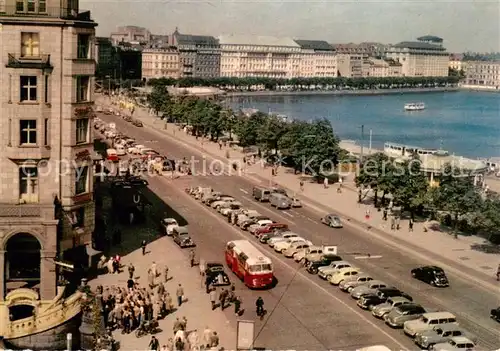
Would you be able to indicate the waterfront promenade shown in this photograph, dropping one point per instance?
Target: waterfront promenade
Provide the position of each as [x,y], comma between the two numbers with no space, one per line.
[477,257]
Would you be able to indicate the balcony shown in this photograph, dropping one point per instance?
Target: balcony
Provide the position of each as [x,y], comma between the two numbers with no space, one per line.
[25,152]
[37,62]
[9,210]
[48,12]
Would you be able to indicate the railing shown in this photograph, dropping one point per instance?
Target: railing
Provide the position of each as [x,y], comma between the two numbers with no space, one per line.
[49,12]
[25,210]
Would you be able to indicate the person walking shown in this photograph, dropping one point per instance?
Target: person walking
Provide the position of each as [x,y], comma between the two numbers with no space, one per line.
[143,246]
[498,273]
[154,269]
[165,273]
[410,225]
[131,270]
[180,294]
[237,306]
[191,257]
[223,298]
[259,304]
[154,344]
[207,335]
[214,340]
[213,298]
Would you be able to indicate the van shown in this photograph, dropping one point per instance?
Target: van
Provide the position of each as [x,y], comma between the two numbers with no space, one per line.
[428,321]
[261,194]
[280,201]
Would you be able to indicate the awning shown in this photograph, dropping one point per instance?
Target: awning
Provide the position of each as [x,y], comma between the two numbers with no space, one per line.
[91,251]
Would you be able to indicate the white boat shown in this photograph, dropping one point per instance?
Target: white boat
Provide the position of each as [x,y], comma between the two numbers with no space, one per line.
[415,106]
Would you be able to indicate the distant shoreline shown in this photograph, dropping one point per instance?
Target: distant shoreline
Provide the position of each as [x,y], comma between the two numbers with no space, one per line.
[343,92]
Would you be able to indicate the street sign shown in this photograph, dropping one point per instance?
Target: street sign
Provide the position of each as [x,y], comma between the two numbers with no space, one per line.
[245,335]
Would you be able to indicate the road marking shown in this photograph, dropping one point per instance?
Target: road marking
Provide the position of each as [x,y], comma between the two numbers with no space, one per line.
[244,191]
[303,276]
[288,214]
[256,180]
[367,257]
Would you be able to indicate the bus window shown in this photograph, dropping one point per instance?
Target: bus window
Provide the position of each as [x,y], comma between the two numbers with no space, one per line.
[255,268]
[266,267]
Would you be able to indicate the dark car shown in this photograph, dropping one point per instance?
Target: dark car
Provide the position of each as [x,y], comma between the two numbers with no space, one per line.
[385,293]
[313,266]
[251,221]
[495,314]
[369,300]
[215,275]
[182,238]
[432,275]
[265,237]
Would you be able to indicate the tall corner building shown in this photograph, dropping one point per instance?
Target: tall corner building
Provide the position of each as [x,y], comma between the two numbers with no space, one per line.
[46,107]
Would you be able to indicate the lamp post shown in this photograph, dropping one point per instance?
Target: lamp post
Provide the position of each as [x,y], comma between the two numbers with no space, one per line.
[362,142]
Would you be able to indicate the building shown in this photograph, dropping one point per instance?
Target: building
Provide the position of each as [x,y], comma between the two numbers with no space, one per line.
[129,61]
[317,59]
[381,68]
[131,34]
[457,63]
[259,56]
[483,74]
[364,49]
[425,57]
[46,108]
[199,55]
[160,63]
[351,65]
[105,55]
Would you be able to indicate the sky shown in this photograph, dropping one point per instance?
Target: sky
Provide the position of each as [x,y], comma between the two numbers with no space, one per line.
[465,25]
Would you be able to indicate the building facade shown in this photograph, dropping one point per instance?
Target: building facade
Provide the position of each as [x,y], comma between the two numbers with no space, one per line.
[129,61]
[351,65]
[105,55]
[457,63]
[46,109]
[160,63]
[483,73]
[259,56]
[317,59]
[425,57]
[374,67]
[131,34]
[199,55]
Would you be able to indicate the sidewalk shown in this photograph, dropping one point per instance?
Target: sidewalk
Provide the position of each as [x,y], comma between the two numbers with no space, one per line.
[465,251]
[197,309]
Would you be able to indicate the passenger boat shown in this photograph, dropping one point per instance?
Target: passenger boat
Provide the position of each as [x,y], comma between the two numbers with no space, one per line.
[415,106]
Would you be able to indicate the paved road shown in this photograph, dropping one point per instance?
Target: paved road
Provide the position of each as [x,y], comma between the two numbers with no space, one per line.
[469,302]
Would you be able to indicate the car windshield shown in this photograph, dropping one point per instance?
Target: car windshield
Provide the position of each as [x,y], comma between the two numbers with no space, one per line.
[184,236]
[439,274]
[438,331]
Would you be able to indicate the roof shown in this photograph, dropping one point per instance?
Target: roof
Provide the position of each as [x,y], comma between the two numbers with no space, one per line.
[418,45]
[431,38]
[438,163]
[319,45]
[188,39]
[253,254]
[257,40]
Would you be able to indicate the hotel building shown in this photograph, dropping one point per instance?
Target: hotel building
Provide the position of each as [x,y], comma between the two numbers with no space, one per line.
[483,74]
[373,67]
[160,63]
[317,59]
[259,56]
[46,108]
[350,65]
[425,57]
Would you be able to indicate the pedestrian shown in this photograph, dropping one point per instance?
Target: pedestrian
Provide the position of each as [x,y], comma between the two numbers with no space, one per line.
[180,294]
[184,323]
[191,257]
[214,340]
[498,273]
[202,267]
[222,299]
[410,225]
[393,223]
[384,216]
[325,183]
[131,270]
[165,273]
[143,246]
[301,184]
[151,279]
[130,284]
[259,304]
[213,298]
[208,282]
[177,326]
[154,344]
[237,305]
[154,269]
[207,335]
[397,222]
[169,302]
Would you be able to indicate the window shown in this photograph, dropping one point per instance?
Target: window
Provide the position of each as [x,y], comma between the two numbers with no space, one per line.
[82,88]
[83,46]
[81,180]
[46,90]
[28,184]
[19,6]
[78,218]
[28,132]
[28,88]
[30,44]
[46,132]
[31,5]
[82,127]
[42,6]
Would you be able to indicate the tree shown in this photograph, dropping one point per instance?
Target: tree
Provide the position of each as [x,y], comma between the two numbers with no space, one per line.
[376,173]
[159,99]
[248,128]
[270,133]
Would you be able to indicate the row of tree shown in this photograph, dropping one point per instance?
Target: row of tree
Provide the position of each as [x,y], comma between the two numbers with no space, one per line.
[309,145]
[316,83]
[467,206]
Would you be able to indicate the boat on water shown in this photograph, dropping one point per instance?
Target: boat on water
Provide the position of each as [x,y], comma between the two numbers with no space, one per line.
[415,106]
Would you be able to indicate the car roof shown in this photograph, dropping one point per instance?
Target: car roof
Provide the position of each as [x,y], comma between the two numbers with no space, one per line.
[398,298]
[449,327]
[433,268]
[409,307]
[461,339]
[389,289]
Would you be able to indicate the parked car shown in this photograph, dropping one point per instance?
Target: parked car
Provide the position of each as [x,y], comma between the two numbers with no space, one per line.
[385,293]
[272,227]
[328,271]
[295,247]
[432,275]
[214,272]
[367,288]
[282,237]
[404,313]
[181,237]
[168,225]
[428,321]
[332,220]
[225,208]
[457,343]
[349,284]
[380,310]
[264,238]
[343,273]
[137,123]
[283,245]
[313,266]
[259,224]
[245,224]
[495,314]
[441,334]
[313,250]
[327,250]
[222,200]
[369,301]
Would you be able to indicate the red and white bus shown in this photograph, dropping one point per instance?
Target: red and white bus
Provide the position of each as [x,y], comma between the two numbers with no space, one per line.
[249,264]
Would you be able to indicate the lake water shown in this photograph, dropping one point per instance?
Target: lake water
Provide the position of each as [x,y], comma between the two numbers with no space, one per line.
[463,122]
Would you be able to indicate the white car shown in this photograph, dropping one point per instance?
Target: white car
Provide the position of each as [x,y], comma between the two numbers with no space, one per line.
[327,271]
[260,224]
[283,237]
[367,288]
[136,149]
[349,284]
[168,225]
[283,245]
[458,343]
[313,250]
[221,201]
[295,248]
[343,273]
